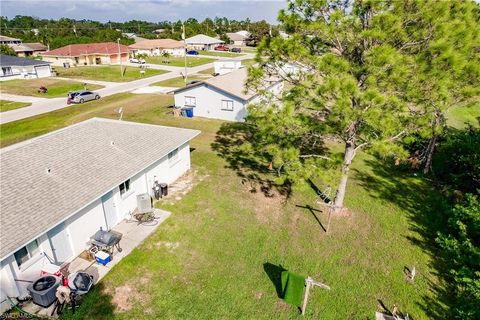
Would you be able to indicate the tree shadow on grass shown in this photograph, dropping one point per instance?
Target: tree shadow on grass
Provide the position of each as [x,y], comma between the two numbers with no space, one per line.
[274,272]
[248,164]
[96,304]
[425,208]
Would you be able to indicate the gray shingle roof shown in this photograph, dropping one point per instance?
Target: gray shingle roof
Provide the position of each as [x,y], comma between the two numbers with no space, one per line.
[84,165]
[8,61]
[232,83]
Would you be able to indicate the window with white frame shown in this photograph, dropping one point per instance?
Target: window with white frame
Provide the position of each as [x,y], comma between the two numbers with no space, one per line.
[26,253]
[227,105]
[124,187]
[190,101]
[173,156]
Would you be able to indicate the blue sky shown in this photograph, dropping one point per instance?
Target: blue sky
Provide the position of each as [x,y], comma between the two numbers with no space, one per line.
[150,10]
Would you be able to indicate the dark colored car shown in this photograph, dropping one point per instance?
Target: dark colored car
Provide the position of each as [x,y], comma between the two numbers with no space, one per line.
[192,82]
[236,50]
[221,47]
[192,52]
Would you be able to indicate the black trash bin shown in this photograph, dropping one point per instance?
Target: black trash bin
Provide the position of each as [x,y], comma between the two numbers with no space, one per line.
[163,189]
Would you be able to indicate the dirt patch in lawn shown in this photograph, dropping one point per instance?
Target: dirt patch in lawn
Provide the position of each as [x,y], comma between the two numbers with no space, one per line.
[182,186]
[268,202]
[124,297]
[127,296]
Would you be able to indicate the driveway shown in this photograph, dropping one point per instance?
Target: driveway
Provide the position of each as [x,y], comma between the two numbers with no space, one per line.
[48,105]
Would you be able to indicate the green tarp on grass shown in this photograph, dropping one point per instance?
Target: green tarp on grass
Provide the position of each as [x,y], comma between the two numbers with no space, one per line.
[292,288]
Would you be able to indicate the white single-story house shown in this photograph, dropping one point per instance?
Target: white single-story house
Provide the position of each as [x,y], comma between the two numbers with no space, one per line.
[222,97]
[157,47]
[202,42]
[58,189]
[237,39]
[21,68]
[226,66]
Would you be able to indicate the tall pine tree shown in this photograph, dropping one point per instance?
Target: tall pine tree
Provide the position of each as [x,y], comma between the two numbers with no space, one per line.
[370,74]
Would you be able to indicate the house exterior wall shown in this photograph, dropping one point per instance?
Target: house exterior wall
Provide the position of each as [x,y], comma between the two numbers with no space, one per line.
[87,60]
[83,224]
[21,72]
[226,66]
[209,103]
[155,52]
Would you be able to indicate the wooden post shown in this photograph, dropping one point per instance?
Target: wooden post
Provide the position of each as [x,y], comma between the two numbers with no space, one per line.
[329,218]
[307,293]
[309,283]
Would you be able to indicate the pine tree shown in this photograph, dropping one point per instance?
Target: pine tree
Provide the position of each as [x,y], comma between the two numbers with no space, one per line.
[371,73]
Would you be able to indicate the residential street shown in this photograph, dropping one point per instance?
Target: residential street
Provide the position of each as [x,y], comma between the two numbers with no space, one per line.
[42,105]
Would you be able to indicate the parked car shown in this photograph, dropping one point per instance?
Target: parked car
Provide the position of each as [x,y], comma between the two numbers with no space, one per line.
[221,47]
[82,96]
[192,52]
[193,82]
[236,50]
[135,60]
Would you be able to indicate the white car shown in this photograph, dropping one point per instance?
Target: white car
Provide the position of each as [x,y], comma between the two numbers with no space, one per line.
[135,60]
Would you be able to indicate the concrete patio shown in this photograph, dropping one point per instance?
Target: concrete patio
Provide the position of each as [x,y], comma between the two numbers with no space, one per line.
[133,235]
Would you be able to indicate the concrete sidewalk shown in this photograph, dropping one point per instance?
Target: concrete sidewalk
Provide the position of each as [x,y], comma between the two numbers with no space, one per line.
[17,98]
[133,234]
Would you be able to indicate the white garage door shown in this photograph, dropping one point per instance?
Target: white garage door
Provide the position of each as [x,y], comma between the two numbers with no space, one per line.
[43,71]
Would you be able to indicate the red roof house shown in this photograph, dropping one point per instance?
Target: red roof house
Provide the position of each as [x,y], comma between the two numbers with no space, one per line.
[88,54]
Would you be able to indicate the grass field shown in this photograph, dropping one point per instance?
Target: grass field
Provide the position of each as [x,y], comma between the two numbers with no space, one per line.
[219,254]
[56,87]
[220,54]
[107,73]
[192,61]
[6,105]
[460,117]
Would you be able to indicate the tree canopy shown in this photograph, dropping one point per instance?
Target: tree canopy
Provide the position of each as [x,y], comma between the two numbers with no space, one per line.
[369,74]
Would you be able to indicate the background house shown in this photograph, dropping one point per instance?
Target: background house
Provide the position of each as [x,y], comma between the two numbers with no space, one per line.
[28,49]
[91,184]
[156,47]
[21,68]
[237,39]
[202,42]
[9,40]
[222,97]
[88,54]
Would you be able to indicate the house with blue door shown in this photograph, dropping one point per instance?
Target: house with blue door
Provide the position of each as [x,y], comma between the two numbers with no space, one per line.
[58,189]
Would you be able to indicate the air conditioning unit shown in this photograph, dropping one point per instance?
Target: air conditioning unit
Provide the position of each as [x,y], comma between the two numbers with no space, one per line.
[144,203]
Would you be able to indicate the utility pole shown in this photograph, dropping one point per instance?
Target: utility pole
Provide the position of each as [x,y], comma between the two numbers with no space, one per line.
[119,57]
[184,53]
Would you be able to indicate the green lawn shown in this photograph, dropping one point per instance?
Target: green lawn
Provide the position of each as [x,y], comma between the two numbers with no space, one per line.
[192,61]
[460,117]
[6,105]
[179,81]
[107,73]
[220,54]
[214,258]
[56,87]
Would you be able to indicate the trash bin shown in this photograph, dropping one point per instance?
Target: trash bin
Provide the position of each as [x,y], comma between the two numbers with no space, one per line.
[189,112]
[163,189]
